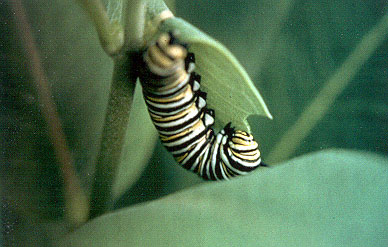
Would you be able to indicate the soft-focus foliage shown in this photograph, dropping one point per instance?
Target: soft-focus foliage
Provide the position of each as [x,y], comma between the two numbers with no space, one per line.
[289,49]
[323,199]
[80,75]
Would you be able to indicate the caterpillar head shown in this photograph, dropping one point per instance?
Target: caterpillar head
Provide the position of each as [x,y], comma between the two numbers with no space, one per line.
[171,46]
[164,62]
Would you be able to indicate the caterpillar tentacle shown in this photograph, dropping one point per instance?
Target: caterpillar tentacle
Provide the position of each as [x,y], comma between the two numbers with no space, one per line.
[179,112]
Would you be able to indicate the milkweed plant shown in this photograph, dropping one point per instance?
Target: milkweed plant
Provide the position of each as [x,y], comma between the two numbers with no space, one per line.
[77,174]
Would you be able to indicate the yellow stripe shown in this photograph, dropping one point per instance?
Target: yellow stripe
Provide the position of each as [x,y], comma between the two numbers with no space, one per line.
[241,156]
[180,96]
[239,141]
[169,138]
[253,144]
[240,132]
[174,117]
[225,169]
[200,164]
[254,152]
[245,137]
[179,159]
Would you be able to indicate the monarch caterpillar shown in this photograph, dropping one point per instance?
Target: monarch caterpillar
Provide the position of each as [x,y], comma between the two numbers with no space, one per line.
[178,110]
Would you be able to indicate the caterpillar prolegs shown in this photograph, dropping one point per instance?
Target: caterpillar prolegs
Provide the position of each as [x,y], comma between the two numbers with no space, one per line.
[178,110]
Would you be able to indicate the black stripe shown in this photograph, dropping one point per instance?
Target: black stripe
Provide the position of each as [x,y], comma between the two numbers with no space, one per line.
[243,151]
[182,125]
[237,137]
[191,161]
[154,86]
[187,143]
[190,58]
[171,109]
[174,93]
[235,164]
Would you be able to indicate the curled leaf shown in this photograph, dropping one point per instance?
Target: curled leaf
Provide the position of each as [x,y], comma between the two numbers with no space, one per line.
[231,93]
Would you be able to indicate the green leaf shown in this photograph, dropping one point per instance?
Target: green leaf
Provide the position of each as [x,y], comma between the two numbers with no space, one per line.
[79,73]
[231,93]
[331,198]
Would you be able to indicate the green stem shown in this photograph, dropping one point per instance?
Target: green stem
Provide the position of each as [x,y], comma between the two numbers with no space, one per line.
[330,91]
[112,140]
[134,20]
[118,110]
[110,34]
[76,201]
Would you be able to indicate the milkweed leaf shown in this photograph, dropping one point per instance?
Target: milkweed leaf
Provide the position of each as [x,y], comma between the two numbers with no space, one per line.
[231,92]
[323,199]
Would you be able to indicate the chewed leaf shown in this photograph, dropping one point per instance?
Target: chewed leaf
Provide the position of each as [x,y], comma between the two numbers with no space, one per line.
[231,93]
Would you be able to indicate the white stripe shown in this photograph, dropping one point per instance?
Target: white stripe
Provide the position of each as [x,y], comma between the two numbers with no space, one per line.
[179,130]
[243,148]
[184,100]
[204,160]
[178,121]
[214,154]
[219,163]
[226,161]
[244,163]
[181,140]
[195,150]
[191,67]
[166,114]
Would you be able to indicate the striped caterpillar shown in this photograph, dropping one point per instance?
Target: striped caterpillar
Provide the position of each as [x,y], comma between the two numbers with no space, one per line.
[178,110]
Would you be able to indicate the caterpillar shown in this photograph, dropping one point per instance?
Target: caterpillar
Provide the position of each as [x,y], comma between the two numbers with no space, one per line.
[178,109]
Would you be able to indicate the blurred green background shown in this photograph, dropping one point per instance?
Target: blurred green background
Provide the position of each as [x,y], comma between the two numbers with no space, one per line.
[289,48]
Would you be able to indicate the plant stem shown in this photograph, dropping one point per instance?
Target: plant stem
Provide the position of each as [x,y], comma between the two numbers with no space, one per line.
[134,19]
[118,110]
[110,34]
[336,84]
[112,140]
[76,201]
